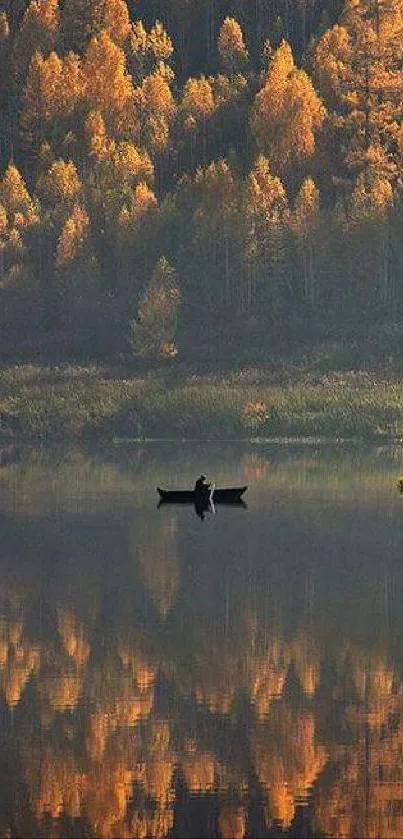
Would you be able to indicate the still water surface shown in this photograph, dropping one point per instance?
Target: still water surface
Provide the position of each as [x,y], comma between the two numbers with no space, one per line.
[166,676]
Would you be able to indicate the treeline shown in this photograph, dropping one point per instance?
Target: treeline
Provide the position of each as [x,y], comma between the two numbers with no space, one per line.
[198,177]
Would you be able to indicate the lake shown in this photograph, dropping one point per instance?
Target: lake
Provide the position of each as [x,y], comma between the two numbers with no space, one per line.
[163,675]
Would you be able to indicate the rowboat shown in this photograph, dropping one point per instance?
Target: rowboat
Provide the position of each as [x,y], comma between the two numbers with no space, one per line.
[229,495]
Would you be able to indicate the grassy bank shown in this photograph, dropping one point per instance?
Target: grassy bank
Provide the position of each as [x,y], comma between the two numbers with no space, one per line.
[286,400]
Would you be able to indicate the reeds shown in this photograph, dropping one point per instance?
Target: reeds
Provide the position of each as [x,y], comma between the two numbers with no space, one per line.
[77,402]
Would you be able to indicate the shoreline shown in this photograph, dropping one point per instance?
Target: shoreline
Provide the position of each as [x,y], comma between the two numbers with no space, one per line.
[94,404]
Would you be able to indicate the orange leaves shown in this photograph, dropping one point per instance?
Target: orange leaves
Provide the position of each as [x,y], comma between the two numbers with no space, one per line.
[107,84]
[198,100]
[287,114]
[53,88]
[158,110]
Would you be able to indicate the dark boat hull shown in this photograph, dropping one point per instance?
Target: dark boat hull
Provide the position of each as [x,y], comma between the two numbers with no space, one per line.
[232,495]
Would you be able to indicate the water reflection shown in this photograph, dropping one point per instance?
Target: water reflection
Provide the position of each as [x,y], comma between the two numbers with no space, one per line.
[162,679]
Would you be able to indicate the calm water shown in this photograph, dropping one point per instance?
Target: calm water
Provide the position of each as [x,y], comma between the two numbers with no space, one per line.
[166,676]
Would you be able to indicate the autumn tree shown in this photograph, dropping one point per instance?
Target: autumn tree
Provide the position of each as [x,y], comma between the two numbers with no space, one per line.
[60,184]
[196,108]
[368,243]
[107,85]
[53,89]
[287,115]
[306,223]
[38,32]
[16,200]
[265,230]
[158,110]
[231,46]
[153,331]
[357,65]
[146,51]
[83,20]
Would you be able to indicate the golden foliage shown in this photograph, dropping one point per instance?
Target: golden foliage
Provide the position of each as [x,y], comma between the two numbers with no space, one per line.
[39,30]
[197,99]
[84,19]
[16,199]
[231,45]
[53,88]
[60,183]
[107,85]
[148,50]
[73,236]
[287,113]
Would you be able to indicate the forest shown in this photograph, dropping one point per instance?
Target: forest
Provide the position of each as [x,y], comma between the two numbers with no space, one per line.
[193,179]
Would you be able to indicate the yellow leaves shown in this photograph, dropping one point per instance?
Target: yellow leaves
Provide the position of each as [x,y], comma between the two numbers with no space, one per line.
[148,50]
[95,132]
[131,163]
[306,207]
[136,209]
[84,19]
[3,221]
[254,415]
[39,30]
[198,100]
[60,184]
[53,88]
[72,238]
[265,194]
[157,97]
[114,18]
[108,86]
[287,113]
[158,109]
[159,42]
[371,198]
[217,194]
[15,198]
[231,45]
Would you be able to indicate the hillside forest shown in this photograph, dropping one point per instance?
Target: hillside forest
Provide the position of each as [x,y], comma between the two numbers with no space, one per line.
[185,178]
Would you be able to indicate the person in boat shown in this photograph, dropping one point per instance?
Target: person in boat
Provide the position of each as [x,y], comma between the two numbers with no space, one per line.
[202,487]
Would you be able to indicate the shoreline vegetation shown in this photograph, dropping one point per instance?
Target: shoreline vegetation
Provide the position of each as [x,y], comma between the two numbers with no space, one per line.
[283,401]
